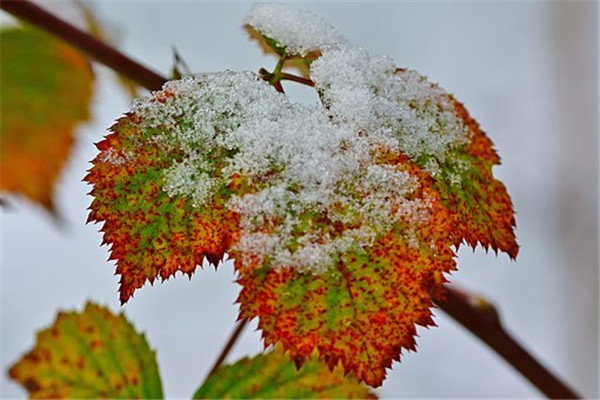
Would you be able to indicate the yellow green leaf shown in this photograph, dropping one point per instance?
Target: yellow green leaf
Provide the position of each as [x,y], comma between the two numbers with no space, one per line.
[273,376]
[88,355]
[45,94]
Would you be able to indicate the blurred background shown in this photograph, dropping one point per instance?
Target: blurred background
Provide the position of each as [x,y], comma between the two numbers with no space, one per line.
[527,71]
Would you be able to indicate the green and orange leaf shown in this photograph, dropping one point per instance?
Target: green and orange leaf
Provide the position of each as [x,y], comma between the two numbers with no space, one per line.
[340,262]
[273,376]
[151,234]
[89,355]
[362,313]
[480,204]
[45,94]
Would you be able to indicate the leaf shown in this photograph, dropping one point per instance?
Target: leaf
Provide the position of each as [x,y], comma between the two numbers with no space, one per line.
[88,355]
[151,234]
[273,376]
[481,206]
[362,313]
[45,94]
[341,240]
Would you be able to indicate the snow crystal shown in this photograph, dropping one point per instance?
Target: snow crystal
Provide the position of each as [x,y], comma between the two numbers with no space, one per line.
[300,32]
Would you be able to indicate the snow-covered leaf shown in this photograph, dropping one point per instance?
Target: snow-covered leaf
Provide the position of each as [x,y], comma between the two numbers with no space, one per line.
[364,310]
[433,129]
[342,218]
[341,243]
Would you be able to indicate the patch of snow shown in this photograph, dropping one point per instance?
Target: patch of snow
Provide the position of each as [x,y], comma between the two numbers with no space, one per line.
[299,31]
[369,94]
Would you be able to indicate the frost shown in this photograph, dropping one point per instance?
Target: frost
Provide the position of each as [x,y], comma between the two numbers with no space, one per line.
[116,157]
[299,32]
[400,106]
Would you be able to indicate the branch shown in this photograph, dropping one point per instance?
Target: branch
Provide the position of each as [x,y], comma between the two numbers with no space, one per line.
[481,318]
[228,346]
[85,42]
[289,77]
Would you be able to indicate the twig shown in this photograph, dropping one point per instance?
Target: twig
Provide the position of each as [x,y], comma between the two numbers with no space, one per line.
[278,87]
[481,321]
[83,41]
[275,77]
[284,76]
[481,318]
[228,346]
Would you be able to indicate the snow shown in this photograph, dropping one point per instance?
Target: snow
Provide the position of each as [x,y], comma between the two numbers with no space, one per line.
[116,158]
[397,106]
[300,32]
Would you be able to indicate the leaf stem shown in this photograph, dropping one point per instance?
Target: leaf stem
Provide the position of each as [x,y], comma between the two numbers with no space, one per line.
[482,319]
[274,78]
[228,346]
[84,42]
[284,76]
[278,68]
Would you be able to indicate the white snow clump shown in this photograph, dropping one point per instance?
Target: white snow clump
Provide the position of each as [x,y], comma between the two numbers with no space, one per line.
[299,32]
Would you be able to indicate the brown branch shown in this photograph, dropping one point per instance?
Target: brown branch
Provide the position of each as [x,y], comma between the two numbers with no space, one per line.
[228,346]
[284,76]
[85,42]
[278,87]
[481,318]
